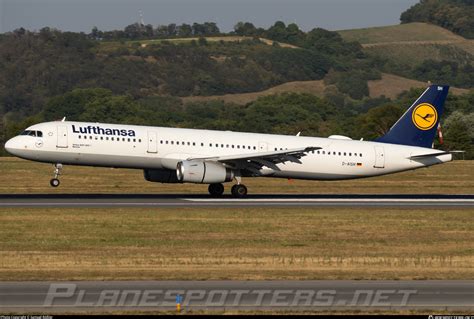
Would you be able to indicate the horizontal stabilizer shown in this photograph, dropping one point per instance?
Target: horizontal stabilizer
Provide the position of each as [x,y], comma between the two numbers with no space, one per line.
[419,156]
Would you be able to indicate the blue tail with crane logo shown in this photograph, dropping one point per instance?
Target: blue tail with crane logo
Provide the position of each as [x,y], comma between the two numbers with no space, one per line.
[417,127]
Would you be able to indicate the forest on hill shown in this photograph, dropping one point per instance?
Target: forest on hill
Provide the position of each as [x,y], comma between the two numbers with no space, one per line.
[454,15]
[122,76]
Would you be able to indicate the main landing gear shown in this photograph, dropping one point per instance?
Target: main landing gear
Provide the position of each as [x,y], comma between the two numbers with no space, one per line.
[216,189]
[238,190]
[54,182]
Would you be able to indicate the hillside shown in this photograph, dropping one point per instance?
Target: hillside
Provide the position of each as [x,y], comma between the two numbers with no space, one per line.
[109,46]
[389,85]
[413,43]
[418,51]
[399,33]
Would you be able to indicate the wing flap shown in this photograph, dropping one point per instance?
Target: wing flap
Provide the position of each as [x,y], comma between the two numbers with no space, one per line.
[295,152]
[252,163]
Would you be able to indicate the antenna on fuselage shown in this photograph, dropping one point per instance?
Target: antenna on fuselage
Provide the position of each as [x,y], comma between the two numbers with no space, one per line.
[64,119]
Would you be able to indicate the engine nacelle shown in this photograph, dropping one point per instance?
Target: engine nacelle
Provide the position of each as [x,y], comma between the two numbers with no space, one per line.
[160,175]
[201,172]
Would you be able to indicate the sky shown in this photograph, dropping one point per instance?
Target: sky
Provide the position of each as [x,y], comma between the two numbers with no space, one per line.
[82,15]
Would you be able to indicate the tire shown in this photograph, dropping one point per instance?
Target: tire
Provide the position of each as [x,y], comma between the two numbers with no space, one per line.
[54,182]
[239,191]
[216,189]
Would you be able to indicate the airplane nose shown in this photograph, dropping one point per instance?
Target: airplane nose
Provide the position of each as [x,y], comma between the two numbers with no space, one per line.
[10,145]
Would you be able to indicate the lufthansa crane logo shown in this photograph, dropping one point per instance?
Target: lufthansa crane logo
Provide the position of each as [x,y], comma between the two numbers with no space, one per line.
[424,116]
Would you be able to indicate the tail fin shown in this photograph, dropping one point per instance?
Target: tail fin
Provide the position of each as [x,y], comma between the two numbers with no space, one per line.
[417,127]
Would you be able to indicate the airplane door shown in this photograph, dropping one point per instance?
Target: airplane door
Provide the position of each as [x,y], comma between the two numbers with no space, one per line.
[62,136]
[379,157]
[152,146]
[262,146]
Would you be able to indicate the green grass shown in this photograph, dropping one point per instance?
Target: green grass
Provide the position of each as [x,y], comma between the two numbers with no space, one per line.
[21,176]
[238,244]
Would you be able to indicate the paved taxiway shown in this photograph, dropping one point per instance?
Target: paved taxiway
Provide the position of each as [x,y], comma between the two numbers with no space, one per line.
[187,200]
[318,294]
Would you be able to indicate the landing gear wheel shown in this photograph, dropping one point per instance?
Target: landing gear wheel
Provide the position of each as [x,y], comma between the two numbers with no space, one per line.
[54,182]
[239,190]
[57,171]
[216,189]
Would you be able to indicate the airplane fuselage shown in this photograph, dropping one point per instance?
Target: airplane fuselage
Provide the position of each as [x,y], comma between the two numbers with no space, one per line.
[146,147]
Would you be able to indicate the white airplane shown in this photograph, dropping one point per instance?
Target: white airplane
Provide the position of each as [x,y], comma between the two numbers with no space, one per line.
[175,155]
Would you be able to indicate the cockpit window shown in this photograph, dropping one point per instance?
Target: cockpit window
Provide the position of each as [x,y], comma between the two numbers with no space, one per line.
[32,133]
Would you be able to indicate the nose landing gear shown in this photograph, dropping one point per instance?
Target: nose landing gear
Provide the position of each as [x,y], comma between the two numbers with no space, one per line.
[54,182]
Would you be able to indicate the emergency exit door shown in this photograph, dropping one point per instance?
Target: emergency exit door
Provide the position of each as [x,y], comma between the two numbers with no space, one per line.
[379,157]
[152,145]
[62,136]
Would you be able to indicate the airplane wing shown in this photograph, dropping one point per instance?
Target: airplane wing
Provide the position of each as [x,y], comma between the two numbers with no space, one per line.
[253,162]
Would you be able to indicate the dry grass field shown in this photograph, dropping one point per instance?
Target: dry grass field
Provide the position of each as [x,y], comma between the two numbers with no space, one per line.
[236,243]
[412,43]
[392,85]
[21,176]
[389,85]
[408,32]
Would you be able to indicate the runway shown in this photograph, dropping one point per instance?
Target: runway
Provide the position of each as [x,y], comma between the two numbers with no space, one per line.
[187,200]
[243,295]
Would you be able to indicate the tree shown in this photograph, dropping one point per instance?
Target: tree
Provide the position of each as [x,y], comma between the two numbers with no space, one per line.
[458,131]
[185,30]
[245,29]
[377,121]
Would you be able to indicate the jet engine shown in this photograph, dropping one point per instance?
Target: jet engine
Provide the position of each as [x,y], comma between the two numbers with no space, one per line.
[201,172]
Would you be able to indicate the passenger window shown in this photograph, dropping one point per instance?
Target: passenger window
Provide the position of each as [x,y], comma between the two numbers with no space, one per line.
[350,154]
[339,153]
[39,133]
[161,142]
[202,144]
[254,147]
[166,142]
[112,138]
[107,138]
[324,152]
[172,142]
[101,138]
[128,140]
[345,154]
